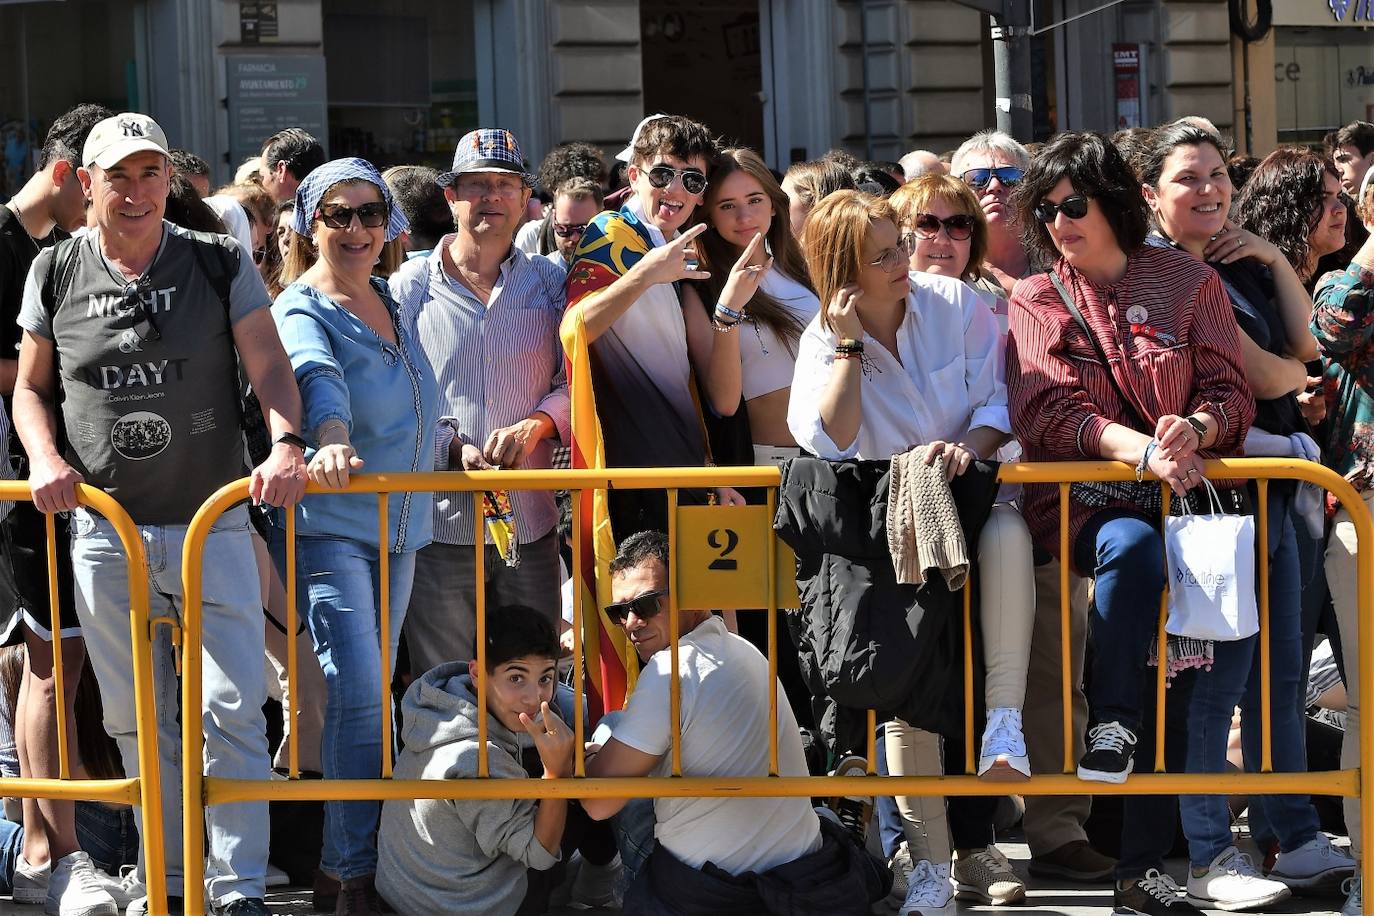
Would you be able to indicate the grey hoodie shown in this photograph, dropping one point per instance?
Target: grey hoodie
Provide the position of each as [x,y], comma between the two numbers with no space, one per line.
[447,856]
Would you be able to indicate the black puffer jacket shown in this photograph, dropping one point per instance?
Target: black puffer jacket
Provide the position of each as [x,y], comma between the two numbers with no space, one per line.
[865,640]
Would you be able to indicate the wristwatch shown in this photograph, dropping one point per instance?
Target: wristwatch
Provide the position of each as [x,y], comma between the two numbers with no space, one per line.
[1198,427]
[290,439]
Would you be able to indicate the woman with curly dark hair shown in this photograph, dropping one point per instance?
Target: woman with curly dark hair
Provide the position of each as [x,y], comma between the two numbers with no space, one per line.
[1129,352]
[1293,199]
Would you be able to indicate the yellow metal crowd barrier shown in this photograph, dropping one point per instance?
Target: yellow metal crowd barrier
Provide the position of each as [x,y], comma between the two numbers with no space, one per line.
[143,791]
[760,576]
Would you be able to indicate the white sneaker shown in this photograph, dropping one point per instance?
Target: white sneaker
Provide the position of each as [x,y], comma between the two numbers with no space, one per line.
[930,890]
[1353,888]
[31,884]
[900,866]
[75,891]
[595,885]
[1313,866]
[125,889]
[1233,883]
[1004,757]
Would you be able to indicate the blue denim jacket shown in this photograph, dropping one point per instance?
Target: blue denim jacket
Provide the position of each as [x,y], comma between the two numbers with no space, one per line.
[387,396]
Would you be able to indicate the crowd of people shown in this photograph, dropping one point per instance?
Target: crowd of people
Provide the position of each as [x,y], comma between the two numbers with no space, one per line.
[884,332]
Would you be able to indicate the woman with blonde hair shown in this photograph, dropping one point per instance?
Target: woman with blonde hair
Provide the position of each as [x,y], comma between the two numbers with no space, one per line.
[898,359]
[808,183]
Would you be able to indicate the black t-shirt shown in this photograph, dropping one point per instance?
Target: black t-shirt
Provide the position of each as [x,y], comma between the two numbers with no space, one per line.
[17,251]
[1251,289]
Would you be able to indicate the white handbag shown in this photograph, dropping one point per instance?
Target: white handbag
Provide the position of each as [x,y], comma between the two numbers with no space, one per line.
[1211,573]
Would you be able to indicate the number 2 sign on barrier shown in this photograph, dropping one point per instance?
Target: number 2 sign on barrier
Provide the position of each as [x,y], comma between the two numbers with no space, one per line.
[722,557]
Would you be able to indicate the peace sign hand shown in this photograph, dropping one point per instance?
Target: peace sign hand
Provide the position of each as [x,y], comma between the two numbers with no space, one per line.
[745,276]
[677,260]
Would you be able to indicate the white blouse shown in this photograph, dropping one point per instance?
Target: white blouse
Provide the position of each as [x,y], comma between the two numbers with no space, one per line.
[951,377]
[766,362]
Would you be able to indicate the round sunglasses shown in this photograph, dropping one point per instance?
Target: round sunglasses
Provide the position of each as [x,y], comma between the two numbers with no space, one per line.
[693,180]
[1075,207]
[958,227]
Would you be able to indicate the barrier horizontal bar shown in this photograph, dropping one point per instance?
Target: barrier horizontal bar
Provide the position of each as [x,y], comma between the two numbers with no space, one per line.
[123,791]
[220,791]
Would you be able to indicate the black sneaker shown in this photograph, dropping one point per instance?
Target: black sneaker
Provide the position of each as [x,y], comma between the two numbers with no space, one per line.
[855,812]
[1110,749]
[1153,895]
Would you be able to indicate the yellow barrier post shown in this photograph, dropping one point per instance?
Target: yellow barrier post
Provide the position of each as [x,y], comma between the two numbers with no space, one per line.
[222,791]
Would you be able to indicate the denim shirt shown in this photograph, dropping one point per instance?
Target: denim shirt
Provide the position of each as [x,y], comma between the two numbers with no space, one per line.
[384,393]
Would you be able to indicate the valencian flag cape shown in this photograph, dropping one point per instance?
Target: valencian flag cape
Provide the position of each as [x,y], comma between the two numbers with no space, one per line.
[632,406]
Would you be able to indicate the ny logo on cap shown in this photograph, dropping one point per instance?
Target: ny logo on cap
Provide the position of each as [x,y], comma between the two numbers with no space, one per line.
[132,128]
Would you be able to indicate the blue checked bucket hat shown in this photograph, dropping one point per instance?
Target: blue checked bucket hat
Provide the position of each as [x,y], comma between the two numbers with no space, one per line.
[489,149]
[331,173]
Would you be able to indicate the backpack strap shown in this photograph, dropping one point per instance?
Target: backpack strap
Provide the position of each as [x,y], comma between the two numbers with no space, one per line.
[219,268]
[61,271]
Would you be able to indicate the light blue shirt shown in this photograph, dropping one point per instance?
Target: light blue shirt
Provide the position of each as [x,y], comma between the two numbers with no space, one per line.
[385,393]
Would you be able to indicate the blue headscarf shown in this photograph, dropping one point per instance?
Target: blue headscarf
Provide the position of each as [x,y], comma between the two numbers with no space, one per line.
[331,173]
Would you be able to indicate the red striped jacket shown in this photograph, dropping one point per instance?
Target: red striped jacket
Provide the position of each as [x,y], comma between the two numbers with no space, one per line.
[1187,359]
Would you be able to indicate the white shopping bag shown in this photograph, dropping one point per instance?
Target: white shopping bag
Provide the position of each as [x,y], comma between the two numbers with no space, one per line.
[1211,574]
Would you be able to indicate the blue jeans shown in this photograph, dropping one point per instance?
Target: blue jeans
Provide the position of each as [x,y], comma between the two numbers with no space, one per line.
[107,834]
[634,825]
[1124,551]
[340,578]
[1290,819]
[233,687]
[11,845]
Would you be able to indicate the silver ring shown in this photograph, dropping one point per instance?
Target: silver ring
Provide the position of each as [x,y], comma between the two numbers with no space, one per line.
[1240,242]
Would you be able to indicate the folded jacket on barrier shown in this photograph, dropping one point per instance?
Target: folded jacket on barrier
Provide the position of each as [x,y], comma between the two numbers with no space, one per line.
[836,880]
[866,640]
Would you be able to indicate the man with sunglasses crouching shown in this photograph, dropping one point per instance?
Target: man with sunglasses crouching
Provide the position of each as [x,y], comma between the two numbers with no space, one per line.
[147,354]
[486,315]
[738,854]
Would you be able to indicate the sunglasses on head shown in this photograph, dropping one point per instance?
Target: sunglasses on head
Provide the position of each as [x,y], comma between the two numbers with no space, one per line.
[1075,207]
[693,180]
[958,227]
[981,178]
[643,606]
[133,303]
[372,216]
[569,230]
[892,258]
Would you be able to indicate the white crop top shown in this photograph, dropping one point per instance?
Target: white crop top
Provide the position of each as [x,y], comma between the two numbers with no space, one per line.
[766,363]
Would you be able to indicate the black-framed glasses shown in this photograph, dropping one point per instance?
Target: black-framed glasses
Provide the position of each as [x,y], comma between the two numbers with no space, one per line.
[1009,175]
[337,216]
[693,180]
[133,303]
[1075,207]
[569,230]
[642,606]
[958,227]
[892,258]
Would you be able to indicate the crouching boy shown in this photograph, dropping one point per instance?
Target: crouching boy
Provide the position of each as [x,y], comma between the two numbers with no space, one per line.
[469,855]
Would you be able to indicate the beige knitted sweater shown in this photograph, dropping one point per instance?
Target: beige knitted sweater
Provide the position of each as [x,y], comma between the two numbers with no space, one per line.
[923,530]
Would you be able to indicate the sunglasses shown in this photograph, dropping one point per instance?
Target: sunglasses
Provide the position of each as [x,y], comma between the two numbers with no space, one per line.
[643,606]
[892,258]
[1009,175]
[372,216]
[570,230]
[133,303]
[958,227]
[693,180]
[1075,207]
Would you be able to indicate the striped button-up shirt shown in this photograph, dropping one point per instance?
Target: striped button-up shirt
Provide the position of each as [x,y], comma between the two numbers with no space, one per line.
[497,364]
[1184,359]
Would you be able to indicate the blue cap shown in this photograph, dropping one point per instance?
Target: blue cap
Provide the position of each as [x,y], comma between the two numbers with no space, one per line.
[334,172]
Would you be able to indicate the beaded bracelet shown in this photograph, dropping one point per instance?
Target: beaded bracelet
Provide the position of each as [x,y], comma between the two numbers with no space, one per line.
[724,327]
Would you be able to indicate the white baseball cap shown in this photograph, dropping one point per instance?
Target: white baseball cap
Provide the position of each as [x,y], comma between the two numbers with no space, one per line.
[114,139]
[628,153]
